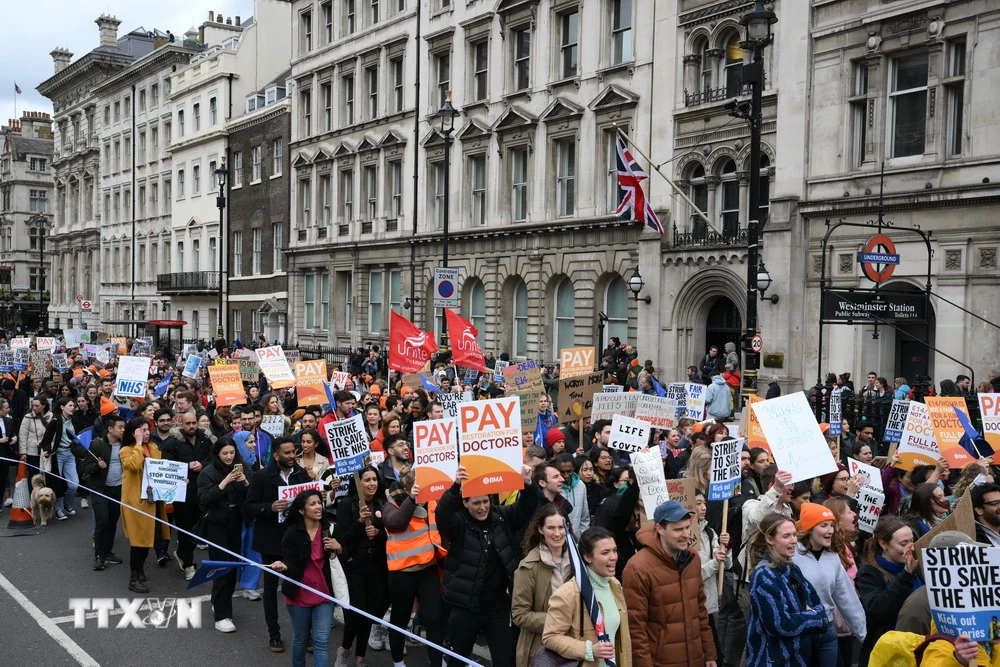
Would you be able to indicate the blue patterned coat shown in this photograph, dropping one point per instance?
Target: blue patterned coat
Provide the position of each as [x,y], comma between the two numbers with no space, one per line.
[780,628]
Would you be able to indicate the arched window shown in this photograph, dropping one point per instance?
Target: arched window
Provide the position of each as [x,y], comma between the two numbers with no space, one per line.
[616,299]
[519,346]
[733,72]
[701,48]
[477,310]
[730,204]
[565,317]
[765,188]
[699,195]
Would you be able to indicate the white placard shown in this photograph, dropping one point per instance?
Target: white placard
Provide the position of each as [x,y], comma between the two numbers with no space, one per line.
[962,589]
[449,402]
[273,425]
[649,476]
[275,366]
[348,444]
[724,482]
[869,509]
[607,405]
[164,480]
[797,444]
[660,412]
[133,372]
[612,389]
[872,475]
[628,434]
[694,405]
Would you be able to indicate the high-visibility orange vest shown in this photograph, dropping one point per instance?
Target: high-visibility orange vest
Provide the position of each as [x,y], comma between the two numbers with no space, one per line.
[419,545]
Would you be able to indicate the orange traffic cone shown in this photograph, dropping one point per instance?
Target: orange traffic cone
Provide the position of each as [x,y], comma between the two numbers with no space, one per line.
[20,512]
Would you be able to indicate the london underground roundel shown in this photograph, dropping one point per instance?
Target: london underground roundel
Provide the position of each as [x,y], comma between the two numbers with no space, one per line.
[878,259]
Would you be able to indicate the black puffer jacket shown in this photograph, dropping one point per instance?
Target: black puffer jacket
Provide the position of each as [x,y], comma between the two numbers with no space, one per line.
[465,567]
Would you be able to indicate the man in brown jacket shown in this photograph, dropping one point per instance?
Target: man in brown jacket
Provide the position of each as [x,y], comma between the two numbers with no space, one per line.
[665,596]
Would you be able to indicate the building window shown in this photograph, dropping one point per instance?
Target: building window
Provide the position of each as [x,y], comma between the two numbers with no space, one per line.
[196,179]
[439,194]
[621,31]
[371,74]
[154,140]
[180,183]
[196,255]
[277,239]
[730,205]
[371,193]
[142,202]
[38,164]
[397,83]
[859,114]
[375,302]
[348,296]
[566,176]
[699,195]
[613,193]
[522,59]
[305,203]
[350,17]
[167,198]
[180,257]
[616,300]
[326,196]
[142,148]
[305,26]
[237,324]
[118,112]
[373,13]
[347,196]
[324,302]
[908,105]
[38,201]
[196,116]
[396,188]
[154,199]
[118,155]
[480,71]
[237,168]
[477,176]
[212,247]
[519,183]
[107,115]
[306,100]
[256,251]
[520,343]
[237,254]
[348,86]
[477,310]
[326,93]
[255,154]
[565,314]
[309,301]
[255,324]
[213,111]
[396,290]
[442,68]
[326,10]
[569,39]
[154,94]
[276,149]
[180,122]
[142,100]
[734,65]
[955,91]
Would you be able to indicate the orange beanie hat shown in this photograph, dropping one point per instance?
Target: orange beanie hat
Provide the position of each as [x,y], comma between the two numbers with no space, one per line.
[811,515]
[107,407]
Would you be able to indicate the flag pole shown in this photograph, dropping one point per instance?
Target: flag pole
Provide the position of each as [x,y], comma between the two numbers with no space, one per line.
[673,185]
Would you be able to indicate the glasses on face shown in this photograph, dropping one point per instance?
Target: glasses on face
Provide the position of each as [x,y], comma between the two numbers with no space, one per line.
[991,503]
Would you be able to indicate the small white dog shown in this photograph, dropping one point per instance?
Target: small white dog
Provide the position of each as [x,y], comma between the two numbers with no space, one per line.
[42,499]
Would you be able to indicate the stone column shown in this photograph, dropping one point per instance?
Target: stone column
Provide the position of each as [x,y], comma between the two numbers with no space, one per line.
[744,178]
[692,71]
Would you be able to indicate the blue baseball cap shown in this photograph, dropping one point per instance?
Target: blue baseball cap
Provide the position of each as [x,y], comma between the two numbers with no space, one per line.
[671,512]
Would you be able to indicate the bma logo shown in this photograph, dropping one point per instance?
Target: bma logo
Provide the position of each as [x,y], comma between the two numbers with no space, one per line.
[138,613]
[413,346]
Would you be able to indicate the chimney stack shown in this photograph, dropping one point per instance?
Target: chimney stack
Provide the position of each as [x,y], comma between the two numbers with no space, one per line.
[211,16]
[221,19]
[107,28]
[236,20]
[229,21]
[60,58]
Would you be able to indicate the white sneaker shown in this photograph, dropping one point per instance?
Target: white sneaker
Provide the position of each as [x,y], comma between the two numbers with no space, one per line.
[189,572]
[8,502]
[84,504]
[225,625]
[376,641]
[343,658]
[251,594]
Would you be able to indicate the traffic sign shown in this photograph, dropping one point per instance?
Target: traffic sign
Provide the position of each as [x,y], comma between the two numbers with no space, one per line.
[86,305]
[445,288]
[79,297]
[757,343]
[878,259]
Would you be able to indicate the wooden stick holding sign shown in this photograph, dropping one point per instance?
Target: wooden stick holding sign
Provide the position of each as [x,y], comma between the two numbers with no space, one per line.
[724,481]
[361,496]
[725,526]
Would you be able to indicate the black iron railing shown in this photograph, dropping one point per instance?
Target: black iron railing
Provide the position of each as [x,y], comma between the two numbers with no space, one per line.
[738,89]
[704,237]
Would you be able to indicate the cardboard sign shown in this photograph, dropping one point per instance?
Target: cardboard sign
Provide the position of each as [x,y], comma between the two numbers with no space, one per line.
[348,444]
[962,520]
[449,403]
[918,445]
[896,420]
[606,406]
[310,377]
[45,343]
[435,455]
[41,365]
[836,412]
[962,590]
[273,425]
[191,366]
[525,380]
[227,385]
[870,505]
[576,396]
[275,366]
[649,476]
[249,370]
[797,444]
[660,412]
[574,361]
[490,445]
[164,480]
[133,372]
[682,490]
[872,475]
[628,434]
[694,405]
[412,380]
[724,482]
[948,428]
[989,409]
[339,379]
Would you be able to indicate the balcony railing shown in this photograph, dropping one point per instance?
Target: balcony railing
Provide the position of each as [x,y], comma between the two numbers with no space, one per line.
[321,233]
[392,224]
[187,283]
[343,230]
[301,235]
[367,226]
[738,89]
[731,235]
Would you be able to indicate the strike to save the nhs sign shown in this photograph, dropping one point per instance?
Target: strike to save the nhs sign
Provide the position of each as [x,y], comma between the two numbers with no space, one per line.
[132,375]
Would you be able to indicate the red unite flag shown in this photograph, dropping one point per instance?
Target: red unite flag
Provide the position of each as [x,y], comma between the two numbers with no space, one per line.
[465,349]
[409,348]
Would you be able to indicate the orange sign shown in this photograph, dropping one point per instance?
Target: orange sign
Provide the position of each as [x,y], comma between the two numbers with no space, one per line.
[948,428]
[755,434]
[575,361]
[309,378]
[227,385]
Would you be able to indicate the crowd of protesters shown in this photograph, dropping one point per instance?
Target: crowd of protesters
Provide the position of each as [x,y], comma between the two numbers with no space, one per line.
[800,584]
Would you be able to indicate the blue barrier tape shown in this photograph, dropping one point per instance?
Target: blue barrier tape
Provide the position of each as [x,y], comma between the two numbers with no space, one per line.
[325,596]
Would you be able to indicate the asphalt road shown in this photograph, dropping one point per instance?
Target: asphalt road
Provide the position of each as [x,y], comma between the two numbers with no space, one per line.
[39,574]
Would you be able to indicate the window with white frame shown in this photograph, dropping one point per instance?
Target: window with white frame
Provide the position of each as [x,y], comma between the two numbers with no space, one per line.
[154,199]
[237,168]
[566,176]
[730,201]
[477,310]
[196,116]
[326,95]
[326,199]
[564,320]
[370,176]
[305,32]
[213,111]
[698,192]
[196,255]
[519,344]
[371,77]
[480,69]
[396,291]
[277,239]
[348,300]
[255,324]
[519,183]
[154,142]
[212,248]
[396,67]
[396,188]
[522,58]
[255,167]
[326,14]
[256,251]
[196,179]
[305,203]
[616,300]
[278,153]
[237,254]
[350,17]
[142,148]
[439,194]
[442,75]
[372,12]
[305,98]
[347,196]
[38,201]
[954,87]
[621,31]
[375,297]
[477,178]
[237,324]
[347,86]
[569,43]
[324,301]
[142,202]
[180,182]
[859,114]
[309,301]
[908,105]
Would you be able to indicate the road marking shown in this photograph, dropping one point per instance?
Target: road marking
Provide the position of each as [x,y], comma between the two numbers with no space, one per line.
[47,624]
[118,611]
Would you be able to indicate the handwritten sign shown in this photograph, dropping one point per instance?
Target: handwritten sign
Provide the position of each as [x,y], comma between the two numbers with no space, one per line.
[164,480]
[133,372]
[576,396]
[869,509]
[658,411]
[348,444]
[435,455]
[273,425]
[524,379]
[449,402]
[490,445]
[574,361]
[694,406]
[249,370]
[649,476]
[275,366]
[725,480]
[606,405]
[962,589]
[797,444]
[628,434]
[41,364]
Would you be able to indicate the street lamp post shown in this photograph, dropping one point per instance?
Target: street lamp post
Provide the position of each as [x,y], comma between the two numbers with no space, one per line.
[447,114]
[222,174]
[40,221]
[758,22]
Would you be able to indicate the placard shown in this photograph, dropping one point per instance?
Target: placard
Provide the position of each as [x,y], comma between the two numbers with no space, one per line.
[164,480]
[836,412]
[490,445]
[948,429]
[606,406]
[133,372]
[612,389]
[917,446]
[291,356]
[574,361]
[45,343]
[576,396]
[19,342]
[288,493]
[75,337]
[872,475]
[677,392]
[275,366]
[648,469]
[694,406]
[41,365]
[310,378]
[191,366]
[660,412]
[628,434]
[273,425]
[896,420]
[339,379]
[348,444]
[962,589]
[227,385]
[524,379]
[498,369]
[435,455]
[249,370]
[449,403]
[121,344]
[6,361]
[724,482]
[754,433]
[870,505]
[60,362]
[22,357]
[683,491]
[797,444]
[989,410]
[962,520]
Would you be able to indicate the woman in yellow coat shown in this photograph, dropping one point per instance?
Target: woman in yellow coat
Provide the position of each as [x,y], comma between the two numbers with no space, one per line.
[140,529]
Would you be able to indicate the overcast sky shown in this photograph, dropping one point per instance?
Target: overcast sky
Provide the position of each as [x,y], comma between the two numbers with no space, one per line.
[30,30]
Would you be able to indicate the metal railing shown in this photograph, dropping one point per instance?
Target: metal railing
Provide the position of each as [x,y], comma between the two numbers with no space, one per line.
[346,358]
[344,229]
[738,89]
[704,237]
[367,226]
[392,224]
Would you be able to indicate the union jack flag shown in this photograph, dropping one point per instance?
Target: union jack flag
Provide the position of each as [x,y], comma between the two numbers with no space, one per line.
[634,205]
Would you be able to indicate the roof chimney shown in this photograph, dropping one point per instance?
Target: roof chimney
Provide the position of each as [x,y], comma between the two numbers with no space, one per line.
[211,16]
[60,58]
[220,17]
[107,27]
[236,20]
[229,20]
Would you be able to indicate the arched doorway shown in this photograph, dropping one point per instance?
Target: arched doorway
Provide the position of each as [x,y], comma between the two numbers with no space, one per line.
[911,354]
[723,324]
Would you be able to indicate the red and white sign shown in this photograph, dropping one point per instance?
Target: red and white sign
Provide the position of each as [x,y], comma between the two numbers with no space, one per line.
[464,346]
[79,298]
[490,444]
[409,348]
[435,453]
[757,343]
[86,305]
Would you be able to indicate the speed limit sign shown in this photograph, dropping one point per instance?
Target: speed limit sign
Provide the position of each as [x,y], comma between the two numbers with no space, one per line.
[756,343]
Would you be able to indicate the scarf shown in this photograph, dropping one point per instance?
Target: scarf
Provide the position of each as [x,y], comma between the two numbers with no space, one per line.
[893,570]
[240,438]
